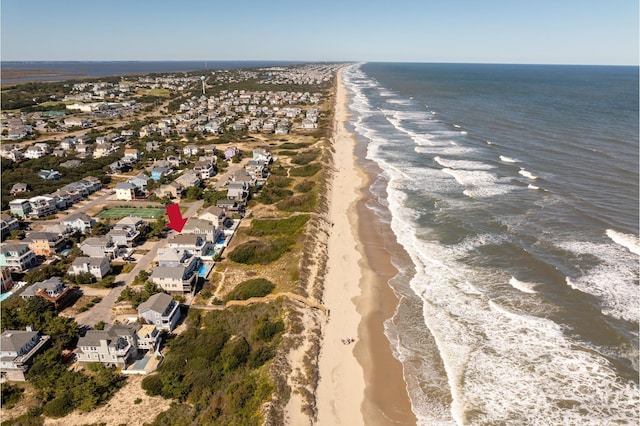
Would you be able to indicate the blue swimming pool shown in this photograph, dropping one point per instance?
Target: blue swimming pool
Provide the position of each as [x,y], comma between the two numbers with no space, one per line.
[141,363]
[203,270]
[5,296]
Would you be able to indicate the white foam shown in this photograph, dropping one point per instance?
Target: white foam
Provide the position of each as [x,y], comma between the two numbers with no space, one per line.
[533,187]
[630,241]
[456,126]
[463,132]
[462,164]
[613,280]
[489,143]
[528,174]
[523,286]
[508,159]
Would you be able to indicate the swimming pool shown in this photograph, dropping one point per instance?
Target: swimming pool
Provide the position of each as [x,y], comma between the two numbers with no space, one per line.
[5,296]
[203,270]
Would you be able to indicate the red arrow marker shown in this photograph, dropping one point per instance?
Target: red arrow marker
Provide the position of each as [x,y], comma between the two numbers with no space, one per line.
[176,221]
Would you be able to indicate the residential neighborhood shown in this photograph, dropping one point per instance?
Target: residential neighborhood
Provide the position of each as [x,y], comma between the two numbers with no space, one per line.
[87,241]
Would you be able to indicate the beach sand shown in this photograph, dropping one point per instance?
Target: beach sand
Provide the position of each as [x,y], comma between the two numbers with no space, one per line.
[361,382]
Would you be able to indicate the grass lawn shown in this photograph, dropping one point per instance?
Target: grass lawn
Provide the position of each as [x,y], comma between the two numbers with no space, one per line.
[120,212]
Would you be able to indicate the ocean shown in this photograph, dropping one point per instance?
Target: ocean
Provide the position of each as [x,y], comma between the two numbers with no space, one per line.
[513,190]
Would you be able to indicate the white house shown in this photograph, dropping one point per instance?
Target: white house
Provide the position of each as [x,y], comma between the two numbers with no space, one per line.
[160,310]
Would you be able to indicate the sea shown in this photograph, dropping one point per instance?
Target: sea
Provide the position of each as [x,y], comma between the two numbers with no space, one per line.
[513,192]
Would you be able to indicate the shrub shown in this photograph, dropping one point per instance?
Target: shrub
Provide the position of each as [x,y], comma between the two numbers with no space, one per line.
[267,329]
[152,385]
[261,355]
[304,186]
[306,170]
[256,287]
[305,157]
[59,406]
[257,251]
[300,203]
[288,226]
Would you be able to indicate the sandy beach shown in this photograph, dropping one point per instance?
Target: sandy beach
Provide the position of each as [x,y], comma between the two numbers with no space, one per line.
[360,382]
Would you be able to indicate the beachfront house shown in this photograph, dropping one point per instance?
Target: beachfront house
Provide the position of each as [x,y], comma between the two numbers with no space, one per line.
[161,311]
[177,271]
[214,214]
[116,345]
[197,245]
[17,350]
[7,224]
[20,207]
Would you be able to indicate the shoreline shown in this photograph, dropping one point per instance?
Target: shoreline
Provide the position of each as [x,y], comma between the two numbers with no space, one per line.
[361,383]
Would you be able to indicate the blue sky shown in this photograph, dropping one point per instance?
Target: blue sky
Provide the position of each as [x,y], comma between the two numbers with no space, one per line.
[493,31]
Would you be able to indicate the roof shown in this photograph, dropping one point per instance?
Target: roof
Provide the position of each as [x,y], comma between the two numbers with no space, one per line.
[173,272]
[202,224]
[92,261]
[14,340]
[157,303]
[214,210]
[183,239]
[78,215]
[110,332]
[125,185]
[12,247]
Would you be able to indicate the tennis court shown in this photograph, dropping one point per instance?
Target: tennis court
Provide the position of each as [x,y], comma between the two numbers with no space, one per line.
[142,212]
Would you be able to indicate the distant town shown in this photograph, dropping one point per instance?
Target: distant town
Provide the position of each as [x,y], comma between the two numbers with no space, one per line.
[88,170]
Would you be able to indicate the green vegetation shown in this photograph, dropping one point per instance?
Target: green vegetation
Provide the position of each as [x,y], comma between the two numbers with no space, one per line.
[40,314]
[11,394]
[305,171]
[257,287]
[217,367]
[27,172]
[136,297]
[258,251]
[63,390]
[298,203]
[304,186]
[288,226]
[305,157]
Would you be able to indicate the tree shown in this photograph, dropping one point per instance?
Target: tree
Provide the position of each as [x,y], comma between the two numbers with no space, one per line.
[158,228]
[16,234]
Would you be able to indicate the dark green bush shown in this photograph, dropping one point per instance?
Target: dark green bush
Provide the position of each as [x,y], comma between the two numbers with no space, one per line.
[256,287]
[288,226]
[267,329]
[304,186]
[306,170]
[258,251]
[298,203]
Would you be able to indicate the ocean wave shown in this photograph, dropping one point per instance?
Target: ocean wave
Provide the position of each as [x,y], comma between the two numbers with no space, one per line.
[508,159]
[613,280]
[528,174]
[523,286]
[462,164]
[533,187]
[630,241]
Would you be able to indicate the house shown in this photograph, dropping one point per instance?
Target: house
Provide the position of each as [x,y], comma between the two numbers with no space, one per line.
[17,256]
[119,167]
[214,214]
[7,224]
[152,146]
[52,290]
[76,122]
[196,245]
[231,152]
[132,153]
[99,267]
[60,153]
[125,191]
[177,271]
[103,150]
[49,174]
[79,221]
[161,311]
[257,170]
[262,155]
[190,150]
[228,205]
[237,191]
[45,243]
[6,280]
[171,190]
[71,164]
[140,181]
[17,349]
[126,232]
[204,228]
[34,152]
[148,338]
[116,345]
[42,206]
[19,188]
[188,179]
[244,176]
[68,143]
[20,207]
[204,169]
[99,246]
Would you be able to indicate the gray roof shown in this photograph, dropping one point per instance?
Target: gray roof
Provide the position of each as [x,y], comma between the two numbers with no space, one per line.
[185,239]
[157,303]
[78,215]
[14,340]
[173,272]
[125,185]
[92,261]
[194,223]
[13,247]
[110,332]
